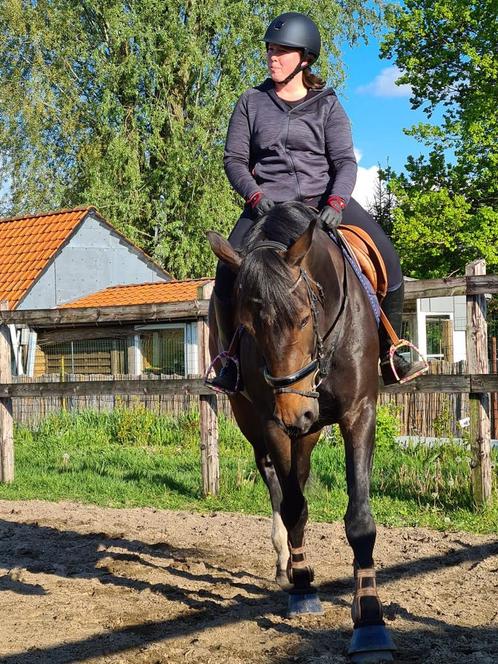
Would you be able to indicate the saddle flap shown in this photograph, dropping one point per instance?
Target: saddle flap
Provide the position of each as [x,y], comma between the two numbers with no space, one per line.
[368,256]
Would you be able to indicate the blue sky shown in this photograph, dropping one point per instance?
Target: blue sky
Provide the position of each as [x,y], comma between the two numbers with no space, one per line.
[379,110]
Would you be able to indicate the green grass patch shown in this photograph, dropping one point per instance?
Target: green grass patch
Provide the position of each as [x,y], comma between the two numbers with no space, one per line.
[135,458]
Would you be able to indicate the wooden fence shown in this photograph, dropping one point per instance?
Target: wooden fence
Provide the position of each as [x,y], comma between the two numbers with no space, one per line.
[419,414]
[477,383]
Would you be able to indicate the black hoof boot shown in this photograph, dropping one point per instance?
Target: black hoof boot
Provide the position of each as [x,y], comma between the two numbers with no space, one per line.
[371,643]
[304,601]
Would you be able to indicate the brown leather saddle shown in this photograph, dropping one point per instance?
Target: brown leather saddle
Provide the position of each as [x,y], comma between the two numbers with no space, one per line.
[368,257]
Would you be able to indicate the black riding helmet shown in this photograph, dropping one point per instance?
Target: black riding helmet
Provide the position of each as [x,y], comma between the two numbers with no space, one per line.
[296,31]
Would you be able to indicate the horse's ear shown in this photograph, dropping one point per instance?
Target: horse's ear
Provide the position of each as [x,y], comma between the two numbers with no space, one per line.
[224,250]
[297,251]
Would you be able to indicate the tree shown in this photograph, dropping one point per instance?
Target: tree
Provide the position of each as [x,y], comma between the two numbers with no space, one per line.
[124,104]
[382,206]
[446,208]
[437,233]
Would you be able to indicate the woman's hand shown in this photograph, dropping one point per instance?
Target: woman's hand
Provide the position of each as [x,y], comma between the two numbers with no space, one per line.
[260,204]
[331,213]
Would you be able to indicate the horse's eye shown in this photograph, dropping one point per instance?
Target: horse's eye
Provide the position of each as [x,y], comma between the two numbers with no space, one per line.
[305,321]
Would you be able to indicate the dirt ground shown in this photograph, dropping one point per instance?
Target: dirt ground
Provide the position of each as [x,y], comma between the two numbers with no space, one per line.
[80,583]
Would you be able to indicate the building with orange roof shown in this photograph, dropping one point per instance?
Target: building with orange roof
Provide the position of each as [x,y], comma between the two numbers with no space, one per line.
[75,259]
[52,258]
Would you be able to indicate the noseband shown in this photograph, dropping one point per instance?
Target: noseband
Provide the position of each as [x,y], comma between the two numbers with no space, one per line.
[281,384]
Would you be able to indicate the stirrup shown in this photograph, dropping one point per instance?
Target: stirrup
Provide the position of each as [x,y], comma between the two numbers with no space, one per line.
[231,356]
[392,351]
[208,380]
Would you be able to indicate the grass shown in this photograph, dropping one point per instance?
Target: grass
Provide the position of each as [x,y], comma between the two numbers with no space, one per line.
[134,458]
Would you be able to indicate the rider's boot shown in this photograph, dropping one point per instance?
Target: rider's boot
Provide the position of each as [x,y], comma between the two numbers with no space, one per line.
[392,306]
[228,379]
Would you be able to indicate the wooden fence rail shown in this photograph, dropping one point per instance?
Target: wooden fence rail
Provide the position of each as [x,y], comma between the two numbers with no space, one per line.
[464,383]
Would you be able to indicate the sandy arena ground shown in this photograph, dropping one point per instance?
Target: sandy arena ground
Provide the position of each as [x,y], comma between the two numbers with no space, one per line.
[81,583]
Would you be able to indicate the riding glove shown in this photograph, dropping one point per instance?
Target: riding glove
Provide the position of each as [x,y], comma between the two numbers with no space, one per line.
[260,204]
[331,213]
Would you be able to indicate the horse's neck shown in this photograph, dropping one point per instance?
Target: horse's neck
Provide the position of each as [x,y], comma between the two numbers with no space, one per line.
[326,266]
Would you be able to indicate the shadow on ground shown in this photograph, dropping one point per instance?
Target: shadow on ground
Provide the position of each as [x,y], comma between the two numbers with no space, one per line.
[76,555]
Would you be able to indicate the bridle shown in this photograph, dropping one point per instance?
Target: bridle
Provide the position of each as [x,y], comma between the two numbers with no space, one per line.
[314,291]
[316,365]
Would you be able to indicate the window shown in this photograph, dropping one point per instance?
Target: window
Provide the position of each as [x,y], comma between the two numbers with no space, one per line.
[92,356]
[439,330]
[170,348]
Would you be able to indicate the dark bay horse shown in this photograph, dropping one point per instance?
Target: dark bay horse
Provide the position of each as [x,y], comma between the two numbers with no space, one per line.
[308,357]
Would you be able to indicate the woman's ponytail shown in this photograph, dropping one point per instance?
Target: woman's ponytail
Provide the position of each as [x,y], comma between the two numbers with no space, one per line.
[312,81]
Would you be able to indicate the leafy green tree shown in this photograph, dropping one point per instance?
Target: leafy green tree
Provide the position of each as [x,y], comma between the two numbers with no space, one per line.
[437,233]
[383,203]
[124,104]
[446,208]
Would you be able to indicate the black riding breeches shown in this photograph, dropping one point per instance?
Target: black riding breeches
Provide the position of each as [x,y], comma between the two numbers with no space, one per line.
[353,215]
[225,278]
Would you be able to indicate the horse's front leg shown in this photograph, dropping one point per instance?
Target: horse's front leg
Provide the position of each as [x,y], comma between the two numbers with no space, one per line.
[279,534]
[371,641]
[291,458]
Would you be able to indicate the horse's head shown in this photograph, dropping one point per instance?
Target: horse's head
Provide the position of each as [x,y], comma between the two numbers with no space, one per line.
[278,302]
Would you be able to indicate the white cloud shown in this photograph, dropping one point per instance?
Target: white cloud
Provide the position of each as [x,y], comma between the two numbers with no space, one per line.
[384,85]
[366,183]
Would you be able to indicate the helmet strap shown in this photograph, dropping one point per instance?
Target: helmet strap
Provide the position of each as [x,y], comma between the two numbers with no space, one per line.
[294,73]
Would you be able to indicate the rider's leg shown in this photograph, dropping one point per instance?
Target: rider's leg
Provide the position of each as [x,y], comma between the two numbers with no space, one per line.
[393,308]
[224,281]
[227,379]
[392,304]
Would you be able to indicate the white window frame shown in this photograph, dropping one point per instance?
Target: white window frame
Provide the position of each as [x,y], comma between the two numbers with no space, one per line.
[190,343]
[441,316]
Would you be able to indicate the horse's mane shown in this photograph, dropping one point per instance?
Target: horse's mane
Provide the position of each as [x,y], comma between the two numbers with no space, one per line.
[264,280]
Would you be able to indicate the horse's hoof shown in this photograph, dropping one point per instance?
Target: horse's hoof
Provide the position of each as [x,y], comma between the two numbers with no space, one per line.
[371,643]
[282,580]
[304,602]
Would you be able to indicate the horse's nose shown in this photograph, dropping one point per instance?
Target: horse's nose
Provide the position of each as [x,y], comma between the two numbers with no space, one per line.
[296,424]
[306,420]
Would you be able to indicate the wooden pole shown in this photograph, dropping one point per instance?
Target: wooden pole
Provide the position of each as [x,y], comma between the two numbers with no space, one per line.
[477,363]
[494,396]
[6,419]
[210,464]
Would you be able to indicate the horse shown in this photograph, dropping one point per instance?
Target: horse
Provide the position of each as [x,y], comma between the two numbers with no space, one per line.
[308,348]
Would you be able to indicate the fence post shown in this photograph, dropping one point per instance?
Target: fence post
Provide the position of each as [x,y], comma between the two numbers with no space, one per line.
[6,419]
[477,363]
[210,463]
[494,396]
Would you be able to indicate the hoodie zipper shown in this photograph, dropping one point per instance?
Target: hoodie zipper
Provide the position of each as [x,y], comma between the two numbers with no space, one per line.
[288,153]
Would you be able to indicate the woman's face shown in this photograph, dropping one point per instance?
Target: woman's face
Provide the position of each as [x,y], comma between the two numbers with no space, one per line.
[281,61]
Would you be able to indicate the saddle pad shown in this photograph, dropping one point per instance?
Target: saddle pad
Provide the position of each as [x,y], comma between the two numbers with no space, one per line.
[368,256]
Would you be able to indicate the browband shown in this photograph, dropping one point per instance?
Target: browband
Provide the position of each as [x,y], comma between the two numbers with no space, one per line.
[268,244]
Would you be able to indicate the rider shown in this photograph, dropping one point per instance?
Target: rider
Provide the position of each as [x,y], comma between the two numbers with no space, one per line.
[290,139]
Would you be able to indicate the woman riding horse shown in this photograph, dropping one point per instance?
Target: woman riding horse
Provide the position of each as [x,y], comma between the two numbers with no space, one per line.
[289,139]
[308,358]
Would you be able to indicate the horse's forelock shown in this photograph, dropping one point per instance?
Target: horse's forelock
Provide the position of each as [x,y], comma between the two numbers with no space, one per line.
[264,280]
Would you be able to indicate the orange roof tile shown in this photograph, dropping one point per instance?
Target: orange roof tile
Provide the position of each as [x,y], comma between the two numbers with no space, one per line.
[150,293]
[27,244]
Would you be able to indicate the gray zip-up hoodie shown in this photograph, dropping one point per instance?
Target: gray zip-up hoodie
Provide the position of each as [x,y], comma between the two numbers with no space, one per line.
[296,153]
